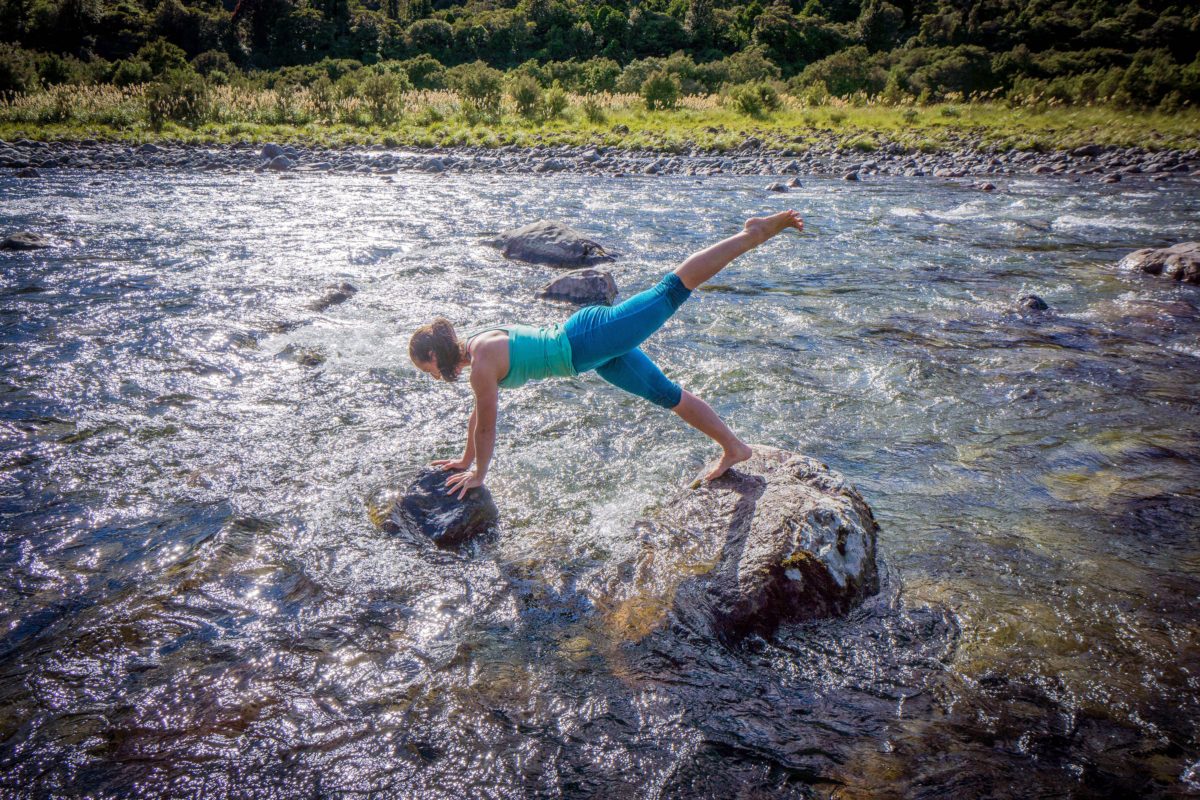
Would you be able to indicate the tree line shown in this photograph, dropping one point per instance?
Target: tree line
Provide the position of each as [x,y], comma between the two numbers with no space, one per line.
[1140,53]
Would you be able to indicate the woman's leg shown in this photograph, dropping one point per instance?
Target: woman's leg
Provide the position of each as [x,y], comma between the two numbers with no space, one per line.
[701,266]
[636,373]
[599,333]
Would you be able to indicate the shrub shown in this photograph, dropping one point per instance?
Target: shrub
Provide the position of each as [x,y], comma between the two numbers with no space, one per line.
[162,56]
[131,71]
[324,99]
[593,112]
[17,71]
[555,103]
[950,112]
[909,115]
[754,99]
[479,86]
[526,94]
[424,71]
[661,91]
[180,95]
[383,94]
[211,61]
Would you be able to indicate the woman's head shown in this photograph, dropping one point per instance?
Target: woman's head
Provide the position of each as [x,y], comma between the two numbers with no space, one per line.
[435,347]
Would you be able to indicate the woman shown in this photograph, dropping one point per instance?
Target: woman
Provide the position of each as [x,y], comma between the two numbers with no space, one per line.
[597,337]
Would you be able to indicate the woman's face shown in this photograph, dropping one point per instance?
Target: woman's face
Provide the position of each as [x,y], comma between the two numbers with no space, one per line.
[429,368]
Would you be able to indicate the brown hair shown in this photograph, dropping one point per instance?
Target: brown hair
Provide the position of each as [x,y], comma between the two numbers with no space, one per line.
[437,342]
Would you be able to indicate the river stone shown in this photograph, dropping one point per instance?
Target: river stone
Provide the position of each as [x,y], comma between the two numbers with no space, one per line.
[1031,302]
[280,163]
[779,538]
[28,172]
[585,287]
[271,151]
[1181,261]
[776,187]
[426,507]
[338,293]
[24,240]
[550,243]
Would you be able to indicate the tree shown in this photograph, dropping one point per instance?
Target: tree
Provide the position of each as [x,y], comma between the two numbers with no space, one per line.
[879,25]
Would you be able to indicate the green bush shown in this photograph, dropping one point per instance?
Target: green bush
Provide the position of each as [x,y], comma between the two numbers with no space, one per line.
[754,99]
[179,96]
[555,103]
[211,61]
[526,94]
[661,91]
[132,71]
[324,99]
[383,94]
[162,56]
[18,72]
[593,112]
[481,87]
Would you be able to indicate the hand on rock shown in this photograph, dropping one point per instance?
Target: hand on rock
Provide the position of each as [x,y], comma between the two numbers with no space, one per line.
[450,463]
[463,482]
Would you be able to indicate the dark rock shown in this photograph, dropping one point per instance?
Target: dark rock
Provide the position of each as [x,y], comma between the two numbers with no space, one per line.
[850,176]
[280,163]
[550,243]
[585,287]
[1114,178]
[985,187]
[304,356]
[779,538]
[148,149]
[1181,261]
[776,187]
[1031,302]
[426,508]
[24,240]
[333,295]
[794,183]
[271,152]
[1087,151]
[29,172]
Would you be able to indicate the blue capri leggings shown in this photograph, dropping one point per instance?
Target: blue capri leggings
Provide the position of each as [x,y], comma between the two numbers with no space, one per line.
[606,339]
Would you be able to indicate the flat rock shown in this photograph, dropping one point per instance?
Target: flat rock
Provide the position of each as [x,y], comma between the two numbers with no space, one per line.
[338,293]
[585,287]
[24,240]
[1181,261]
[779,538]
[425,508]
[552,243]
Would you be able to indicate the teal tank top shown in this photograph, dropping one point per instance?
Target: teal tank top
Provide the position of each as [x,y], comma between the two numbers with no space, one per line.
[534,353]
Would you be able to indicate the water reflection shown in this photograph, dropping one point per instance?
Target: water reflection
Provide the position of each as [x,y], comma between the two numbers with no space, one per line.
[197,602]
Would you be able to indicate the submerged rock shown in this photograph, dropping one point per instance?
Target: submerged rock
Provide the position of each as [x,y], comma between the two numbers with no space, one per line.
[585,287]
[779,538]
[28,172]
[425,507]
[776,187]
[338,293]
[550,243]
[1031,302]
[1181,261]
[24,240]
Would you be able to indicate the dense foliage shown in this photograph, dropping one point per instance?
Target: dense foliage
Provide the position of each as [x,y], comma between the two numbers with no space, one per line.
[1128,52]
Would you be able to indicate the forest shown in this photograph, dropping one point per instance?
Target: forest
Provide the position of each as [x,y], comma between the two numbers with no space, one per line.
[1136,54]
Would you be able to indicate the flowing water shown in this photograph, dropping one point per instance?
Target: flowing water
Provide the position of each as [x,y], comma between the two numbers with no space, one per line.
[196,603]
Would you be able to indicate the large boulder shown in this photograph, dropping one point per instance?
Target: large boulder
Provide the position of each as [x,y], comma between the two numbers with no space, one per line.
[551,243]
[24,240]
[779,538]
[1181,261]
[426,509]
[585,287]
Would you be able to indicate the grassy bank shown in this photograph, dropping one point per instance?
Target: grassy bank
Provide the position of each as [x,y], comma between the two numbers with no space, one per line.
[427,118]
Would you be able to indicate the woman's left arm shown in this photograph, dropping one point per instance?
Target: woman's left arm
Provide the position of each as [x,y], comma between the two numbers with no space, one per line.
[483,433]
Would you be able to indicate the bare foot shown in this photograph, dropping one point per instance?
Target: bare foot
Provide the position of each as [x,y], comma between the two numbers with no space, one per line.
[739,452]
[766,227]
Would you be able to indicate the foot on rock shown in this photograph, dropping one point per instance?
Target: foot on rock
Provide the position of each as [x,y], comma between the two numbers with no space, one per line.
[738,453]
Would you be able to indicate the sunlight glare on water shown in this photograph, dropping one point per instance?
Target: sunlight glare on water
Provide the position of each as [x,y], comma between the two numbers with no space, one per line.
[197,602]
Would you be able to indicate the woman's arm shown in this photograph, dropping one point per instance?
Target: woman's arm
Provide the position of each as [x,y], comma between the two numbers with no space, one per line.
[468,455]
[483,432]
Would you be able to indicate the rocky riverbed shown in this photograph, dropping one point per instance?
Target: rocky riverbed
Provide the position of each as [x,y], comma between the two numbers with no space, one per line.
[832,157]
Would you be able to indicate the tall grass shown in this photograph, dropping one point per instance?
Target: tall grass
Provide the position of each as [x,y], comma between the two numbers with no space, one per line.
[325,114]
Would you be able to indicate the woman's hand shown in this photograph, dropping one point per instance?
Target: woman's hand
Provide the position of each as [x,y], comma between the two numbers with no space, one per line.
[452,463]
[462,482]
